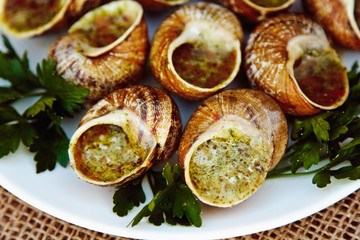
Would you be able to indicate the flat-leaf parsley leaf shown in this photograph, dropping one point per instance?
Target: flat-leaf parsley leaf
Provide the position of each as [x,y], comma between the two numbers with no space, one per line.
[173,201]
[39,126]
[333,136]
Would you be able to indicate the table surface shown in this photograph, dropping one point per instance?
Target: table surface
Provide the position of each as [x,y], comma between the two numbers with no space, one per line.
[19,220]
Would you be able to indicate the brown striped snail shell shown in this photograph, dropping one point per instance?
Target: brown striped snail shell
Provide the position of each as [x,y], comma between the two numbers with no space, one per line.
[257,10]
[230,143]
[104,50]
[158,5]
[196,51]
[340,18]
[124,134]
[25,19]
[290,58]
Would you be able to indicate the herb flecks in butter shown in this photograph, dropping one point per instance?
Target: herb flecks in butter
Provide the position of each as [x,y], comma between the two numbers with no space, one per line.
[226,170]
[320,75]
[202,65]
[24,15]
[105,153]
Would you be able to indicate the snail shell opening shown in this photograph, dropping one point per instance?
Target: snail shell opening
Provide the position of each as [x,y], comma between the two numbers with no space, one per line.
[107,151]
[196,51]
[23,18]
[290,58]
[106,27]
[318,71]
[124,134]
[205,56]
[230,143]
[104,50]
[214,176]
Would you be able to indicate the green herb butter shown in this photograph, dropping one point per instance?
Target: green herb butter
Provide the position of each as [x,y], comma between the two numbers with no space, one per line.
[202,64]
[227,169]
[104,152]
[25,15]
[320,75]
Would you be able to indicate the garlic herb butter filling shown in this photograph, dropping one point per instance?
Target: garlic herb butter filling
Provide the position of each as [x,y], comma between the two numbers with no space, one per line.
[320,75]
[205,55]
[105,153]
[24,15]
[203,65]
[111,149]
[106,28]
[229,167]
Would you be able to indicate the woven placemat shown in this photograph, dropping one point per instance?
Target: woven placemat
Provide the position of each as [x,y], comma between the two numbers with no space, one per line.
[18,220]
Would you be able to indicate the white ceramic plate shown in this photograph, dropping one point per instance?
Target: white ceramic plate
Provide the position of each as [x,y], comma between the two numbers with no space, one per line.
[61,194]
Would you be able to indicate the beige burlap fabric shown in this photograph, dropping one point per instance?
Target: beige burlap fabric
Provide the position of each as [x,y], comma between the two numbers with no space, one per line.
[18,220]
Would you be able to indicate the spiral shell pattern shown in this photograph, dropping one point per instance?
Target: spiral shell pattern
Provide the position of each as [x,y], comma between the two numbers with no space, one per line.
[338,19]
[154,106]
[116,68]
[207,23]
[150,106]
[255,115]
[269,61]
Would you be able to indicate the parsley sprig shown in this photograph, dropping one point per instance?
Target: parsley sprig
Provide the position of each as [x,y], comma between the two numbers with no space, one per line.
[330,139]
[173,201]
[39,126]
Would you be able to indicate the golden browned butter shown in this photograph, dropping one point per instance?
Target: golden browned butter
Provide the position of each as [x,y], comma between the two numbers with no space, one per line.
[104,152]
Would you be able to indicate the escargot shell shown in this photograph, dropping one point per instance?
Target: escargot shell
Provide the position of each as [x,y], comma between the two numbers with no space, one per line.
[257,10]
[340,18]
[28,18]
[104,50]
[158,5]
[230,143]
[124,134]
[290,58]
[196,51]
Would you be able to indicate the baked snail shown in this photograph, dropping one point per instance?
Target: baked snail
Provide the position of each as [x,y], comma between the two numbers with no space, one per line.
[290,58]
[230,143]
[104,50]
[257,10]
[340,18]
[29,18]
[196,51]
[124,134]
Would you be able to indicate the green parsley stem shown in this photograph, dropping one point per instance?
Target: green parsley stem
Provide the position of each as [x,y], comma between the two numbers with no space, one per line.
[37,94]
[279,175]
[280,172]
